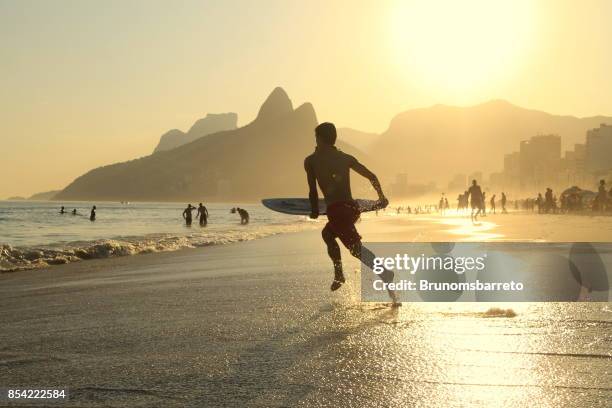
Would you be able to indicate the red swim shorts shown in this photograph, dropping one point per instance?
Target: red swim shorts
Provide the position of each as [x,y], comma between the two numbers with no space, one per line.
[342,216]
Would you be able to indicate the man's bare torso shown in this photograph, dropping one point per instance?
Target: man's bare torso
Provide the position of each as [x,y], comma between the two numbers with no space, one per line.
[332,170]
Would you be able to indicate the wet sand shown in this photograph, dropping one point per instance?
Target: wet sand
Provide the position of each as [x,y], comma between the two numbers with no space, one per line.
[254,324]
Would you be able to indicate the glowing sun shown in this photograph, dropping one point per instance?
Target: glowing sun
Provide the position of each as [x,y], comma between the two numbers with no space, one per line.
[461,44]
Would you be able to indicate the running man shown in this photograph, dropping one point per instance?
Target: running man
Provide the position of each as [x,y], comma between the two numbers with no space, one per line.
[475,195]
[330,168]
[202,215]
[492,202]
[187,214]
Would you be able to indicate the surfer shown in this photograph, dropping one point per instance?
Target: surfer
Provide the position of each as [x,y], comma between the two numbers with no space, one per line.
[202,214]
[92,215]
[475,195]
[62,210]
[330,168]
[187,214]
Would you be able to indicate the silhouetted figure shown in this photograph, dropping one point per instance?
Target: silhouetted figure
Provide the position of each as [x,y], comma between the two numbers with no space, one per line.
[474,193]
[484,204]
[62,210]
[203,215]
[548,200]
[74,212]
[602,196]
[244,215]
[492,202]
[92,215]
[330,168]
[187,214]
[540,203]
[503,203]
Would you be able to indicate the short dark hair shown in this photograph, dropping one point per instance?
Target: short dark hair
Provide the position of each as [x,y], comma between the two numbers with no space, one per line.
[326,132]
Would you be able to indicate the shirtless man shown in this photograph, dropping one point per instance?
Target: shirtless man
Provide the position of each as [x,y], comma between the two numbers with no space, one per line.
[202,215]
[187,214]
[475,195]
[330,168]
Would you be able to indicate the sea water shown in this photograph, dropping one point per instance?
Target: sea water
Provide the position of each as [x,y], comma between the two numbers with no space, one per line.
[34,234]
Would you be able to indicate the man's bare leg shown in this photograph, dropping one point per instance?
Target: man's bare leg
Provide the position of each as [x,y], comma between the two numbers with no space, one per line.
[333,250]
[367,258]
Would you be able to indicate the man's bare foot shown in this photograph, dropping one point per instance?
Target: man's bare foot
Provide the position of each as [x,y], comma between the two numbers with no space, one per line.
[338,281]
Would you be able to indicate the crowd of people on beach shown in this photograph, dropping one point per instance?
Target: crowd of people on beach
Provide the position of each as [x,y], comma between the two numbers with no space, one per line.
[474,200]
[573,199]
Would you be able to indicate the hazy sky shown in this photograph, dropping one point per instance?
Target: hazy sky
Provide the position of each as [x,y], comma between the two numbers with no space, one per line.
[87,83]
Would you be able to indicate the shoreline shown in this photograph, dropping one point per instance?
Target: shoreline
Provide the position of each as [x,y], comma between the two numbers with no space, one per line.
[512,227]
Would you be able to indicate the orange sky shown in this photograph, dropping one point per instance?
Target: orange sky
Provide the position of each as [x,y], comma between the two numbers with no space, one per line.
[91,83]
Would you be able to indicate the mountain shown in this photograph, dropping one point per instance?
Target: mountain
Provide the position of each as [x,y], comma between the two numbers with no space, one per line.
[433,144]
[262,159]
[361,140]
[44,196]
[212,123]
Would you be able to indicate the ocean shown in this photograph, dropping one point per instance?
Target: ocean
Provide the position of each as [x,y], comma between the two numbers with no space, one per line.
[34,234]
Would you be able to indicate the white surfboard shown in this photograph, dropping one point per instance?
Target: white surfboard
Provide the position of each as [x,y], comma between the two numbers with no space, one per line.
[301,206]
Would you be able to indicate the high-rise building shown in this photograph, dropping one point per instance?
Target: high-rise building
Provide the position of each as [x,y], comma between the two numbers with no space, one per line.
[540,161]
[598,158]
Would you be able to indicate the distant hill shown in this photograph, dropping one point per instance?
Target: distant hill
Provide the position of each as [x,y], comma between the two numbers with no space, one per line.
[44,196]
[212,123]
[361,140]
[262,159]
[433,144]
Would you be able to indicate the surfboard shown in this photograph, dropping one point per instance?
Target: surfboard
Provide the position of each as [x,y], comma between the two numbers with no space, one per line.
[301,206]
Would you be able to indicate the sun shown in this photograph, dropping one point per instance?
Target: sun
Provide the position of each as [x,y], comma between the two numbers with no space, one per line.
[461,45]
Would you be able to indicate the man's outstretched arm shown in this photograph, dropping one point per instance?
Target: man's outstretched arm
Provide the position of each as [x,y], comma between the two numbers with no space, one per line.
[365,172]
[313,194]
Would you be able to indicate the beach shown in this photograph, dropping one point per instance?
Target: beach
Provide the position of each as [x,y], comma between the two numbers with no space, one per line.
[254,324]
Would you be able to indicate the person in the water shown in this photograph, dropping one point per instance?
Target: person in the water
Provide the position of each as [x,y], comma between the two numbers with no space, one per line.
[187,214]
[62,211]
[92,215]
[202,215]
[74,212]
[244,215]
[330,169]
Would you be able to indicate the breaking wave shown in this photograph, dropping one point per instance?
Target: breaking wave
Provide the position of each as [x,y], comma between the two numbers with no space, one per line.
[22,258]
